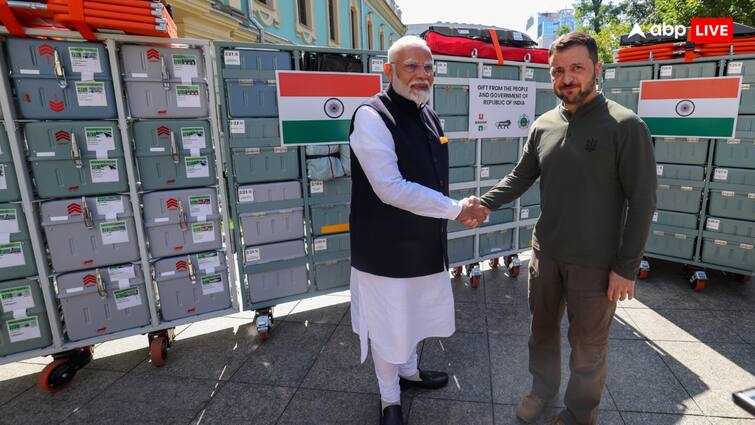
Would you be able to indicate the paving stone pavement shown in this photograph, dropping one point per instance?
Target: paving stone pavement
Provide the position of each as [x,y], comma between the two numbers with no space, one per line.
[675,358]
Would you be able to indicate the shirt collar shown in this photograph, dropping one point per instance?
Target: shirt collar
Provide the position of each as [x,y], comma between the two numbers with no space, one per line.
[582,110]
[403,102]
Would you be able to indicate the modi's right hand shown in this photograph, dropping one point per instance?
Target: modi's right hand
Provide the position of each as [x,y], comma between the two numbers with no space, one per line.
[473,213]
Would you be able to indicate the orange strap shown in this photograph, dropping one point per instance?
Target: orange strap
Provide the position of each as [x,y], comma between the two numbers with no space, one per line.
[496,45]
[9,20]
[76,13]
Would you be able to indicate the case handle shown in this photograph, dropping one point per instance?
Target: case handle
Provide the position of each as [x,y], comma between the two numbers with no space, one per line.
[88,219]
[60,72]
[173,147]
[182,216]
[192,273]
[75,152]
[164,77]
[100,284]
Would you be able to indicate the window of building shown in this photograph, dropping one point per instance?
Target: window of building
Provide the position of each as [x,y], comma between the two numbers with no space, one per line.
[354,18]
[382,37]
[370,40]
[333,21]
[303,11]
[266,11]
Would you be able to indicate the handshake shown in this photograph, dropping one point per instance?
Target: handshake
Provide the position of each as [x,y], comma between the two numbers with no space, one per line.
[473,213]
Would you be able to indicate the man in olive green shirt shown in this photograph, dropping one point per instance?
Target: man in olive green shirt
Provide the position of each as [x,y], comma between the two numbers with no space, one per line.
[597,176]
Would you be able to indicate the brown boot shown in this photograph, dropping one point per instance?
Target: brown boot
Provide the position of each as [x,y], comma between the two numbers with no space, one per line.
[529,408]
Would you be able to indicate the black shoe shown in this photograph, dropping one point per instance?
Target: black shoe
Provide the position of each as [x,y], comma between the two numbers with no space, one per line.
[430,380]
[392,415]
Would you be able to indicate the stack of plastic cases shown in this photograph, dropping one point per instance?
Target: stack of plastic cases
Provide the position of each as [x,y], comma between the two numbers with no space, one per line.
[77,165]
[681,174]
[23,317]
[330,205]
[266,177]
[167,94]
[729,232]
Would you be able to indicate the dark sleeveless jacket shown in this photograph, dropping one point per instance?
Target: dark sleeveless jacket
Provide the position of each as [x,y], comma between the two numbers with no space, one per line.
[389,241]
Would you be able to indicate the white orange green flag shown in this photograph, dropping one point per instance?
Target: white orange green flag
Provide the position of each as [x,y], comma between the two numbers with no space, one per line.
[690,107]
[316,107]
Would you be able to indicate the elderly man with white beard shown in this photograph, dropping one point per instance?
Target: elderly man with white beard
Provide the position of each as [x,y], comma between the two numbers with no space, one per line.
[400,287]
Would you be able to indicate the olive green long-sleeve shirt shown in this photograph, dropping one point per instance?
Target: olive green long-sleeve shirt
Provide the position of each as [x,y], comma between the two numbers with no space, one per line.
[597,185]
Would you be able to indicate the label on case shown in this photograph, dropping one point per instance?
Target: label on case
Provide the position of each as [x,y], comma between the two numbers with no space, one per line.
[3,182]
[316,186]
[200,205]
[712,224]
[610,74]
[121,272]
[212,284]
[23,329]
[667,71]
[721,174]
[529,74]
[99,138]
[487,71]
[525,213]
[203,232]
[104,170]
[114,232]
[321,244]
[193,138]
[231,57]
[187,96]
[127,298]
[734,68]
[441,68]
[8,221]
[376,65]
[246,194]
[238,126]
[16,298]
[208,260]
[659,170]
[252,255]
[109,205]
[484,172]
[197,167]
[655,217]
[85,60]
[90,94]
[185,67]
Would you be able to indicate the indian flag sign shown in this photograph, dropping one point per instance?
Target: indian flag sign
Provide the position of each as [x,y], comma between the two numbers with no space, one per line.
[690,107]
[316,107]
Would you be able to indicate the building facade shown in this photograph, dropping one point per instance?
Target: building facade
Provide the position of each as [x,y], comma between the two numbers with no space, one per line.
[349,24]
[544,27]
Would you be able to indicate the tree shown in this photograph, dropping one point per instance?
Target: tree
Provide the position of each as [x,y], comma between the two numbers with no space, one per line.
[595,14]
[679,12]
[564,29]
[608,39]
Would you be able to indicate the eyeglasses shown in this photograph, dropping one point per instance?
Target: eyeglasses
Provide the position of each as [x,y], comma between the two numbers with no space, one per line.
[412,68]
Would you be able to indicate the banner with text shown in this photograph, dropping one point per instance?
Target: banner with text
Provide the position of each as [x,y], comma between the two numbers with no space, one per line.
[500,108]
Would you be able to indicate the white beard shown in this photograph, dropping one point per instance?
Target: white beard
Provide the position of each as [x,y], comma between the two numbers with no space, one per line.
[419,98]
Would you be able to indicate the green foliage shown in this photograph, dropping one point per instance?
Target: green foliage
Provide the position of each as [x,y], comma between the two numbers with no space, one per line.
[564,29]
[608,39]
[679,12]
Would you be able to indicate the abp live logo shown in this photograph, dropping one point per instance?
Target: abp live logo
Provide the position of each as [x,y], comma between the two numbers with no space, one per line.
[711,30]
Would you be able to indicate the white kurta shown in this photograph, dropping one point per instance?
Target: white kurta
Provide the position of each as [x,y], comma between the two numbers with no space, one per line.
[396,314]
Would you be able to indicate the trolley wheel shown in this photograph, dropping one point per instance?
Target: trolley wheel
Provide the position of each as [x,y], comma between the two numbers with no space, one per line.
[264,321]
[643,274]
[507,260]
[58,374]
[158,351]
[698,285]
[474,281]
[514,271]
[493,262]
[470,267]
[456,272]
